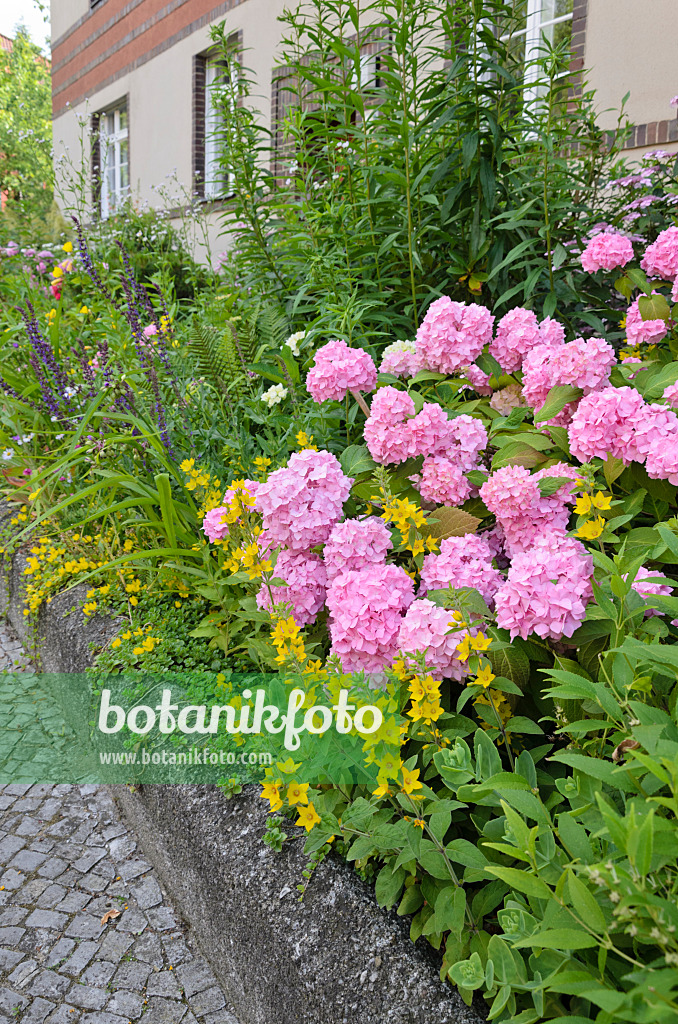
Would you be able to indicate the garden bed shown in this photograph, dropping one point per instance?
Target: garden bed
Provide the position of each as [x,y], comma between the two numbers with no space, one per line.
[333,957]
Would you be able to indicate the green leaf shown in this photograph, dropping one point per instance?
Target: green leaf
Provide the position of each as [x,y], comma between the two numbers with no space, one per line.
[531,885]
[557,398]
[450,910]
[653,307]
[356,459]
[548,485]
[389,885]
[517,453]
[585,904]
[559,938]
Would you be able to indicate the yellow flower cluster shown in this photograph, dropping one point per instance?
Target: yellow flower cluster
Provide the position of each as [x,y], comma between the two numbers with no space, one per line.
[588,505]
[287,641]
[143,646]
[425,693]
[261,464]
[208,486]
[296,796]
[409,519]
[305,440]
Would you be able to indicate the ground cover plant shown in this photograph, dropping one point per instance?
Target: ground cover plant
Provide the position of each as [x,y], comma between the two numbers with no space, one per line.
[445,466]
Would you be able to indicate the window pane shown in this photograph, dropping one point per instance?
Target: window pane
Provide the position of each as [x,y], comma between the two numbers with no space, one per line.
[123,162]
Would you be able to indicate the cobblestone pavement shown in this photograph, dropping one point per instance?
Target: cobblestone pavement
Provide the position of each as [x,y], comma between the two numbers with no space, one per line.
[87,935]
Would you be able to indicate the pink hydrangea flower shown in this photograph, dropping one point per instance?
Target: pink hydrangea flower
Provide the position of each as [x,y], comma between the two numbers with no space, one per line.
[674,290]
[604,423]
[581,363]
[356,544]
[671,394]
[393,433]
[523,512]
[306,579]
[214,526]
[661,257]
[452,335]
[547,589]
[385,431]
[478,379]
[426,630]
[338,369]
[430,431]
[468,437]
[644,586]
[661,462]
[442,481]
[463,562]
[551,332]
[606,251]
[366,609]
[654,426]
[400,359]
[518,332]
[301,502]
[639,331]
[507,399]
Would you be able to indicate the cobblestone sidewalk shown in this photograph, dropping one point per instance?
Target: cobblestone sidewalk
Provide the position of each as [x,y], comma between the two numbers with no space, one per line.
[87,935]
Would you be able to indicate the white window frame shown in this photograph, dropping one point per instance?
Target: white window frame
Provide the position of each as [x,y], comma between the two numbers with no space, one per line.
[111,150]
[539,25]
[218,182]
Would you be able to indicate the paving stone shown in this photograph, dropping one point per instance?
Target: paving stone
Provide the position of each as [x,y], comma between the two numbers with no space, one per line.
[84,927]
[133,868]
[163,919]
[73,901]
[88,997]
[126,1003]
[133,921]
[38,1011]
[21,974]
[9,846]
[12,879]
[208,1001]
[163,983]
[59,952]
[195,977]
[149,949]
[9,957]
[147,893]
[49,984]
[10,936]
[27,860]
[122,847]
[99,973]
[131,975]
[163,1011]
[81,957]
[89,859]
[106,1018]
[50,896]
[220,1017]
[52,868]
[64,1014]
[29,827]
[115,945]
[9,1000]
[46,919]
[12,915]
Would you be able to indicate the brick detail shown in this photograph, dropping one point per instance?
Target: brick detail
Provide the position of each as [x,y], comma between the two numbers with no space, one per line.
[656,133]
[86,63]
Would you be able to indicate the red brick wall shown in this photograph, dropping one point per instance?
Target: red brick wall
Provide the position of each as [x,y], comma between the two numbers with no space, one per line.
[118,36]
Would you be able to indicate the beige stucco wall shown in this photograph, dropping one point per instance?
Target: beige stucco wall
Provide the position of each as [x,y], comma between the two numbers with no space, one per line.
[632,47]
[160,96]
[64,13]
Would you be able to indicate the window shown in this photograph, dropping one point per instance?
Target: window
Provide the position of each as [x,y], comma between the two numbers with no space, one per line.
[539,22]
[113,167]
[216,91]
[211,90]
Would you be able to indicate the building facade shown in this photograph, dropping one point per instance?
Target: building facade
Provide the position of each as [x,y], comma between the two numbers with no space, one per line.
[136,76]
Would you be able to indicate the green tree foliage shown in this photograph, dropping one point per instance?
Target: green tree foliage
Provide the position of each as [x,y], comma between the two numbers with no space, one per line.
[26,174]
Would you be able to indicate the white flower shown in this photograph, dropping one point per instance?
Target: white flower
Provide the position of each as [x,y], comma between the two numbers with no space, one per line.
[70,392]
[274,395]
[8,454]
[294,341]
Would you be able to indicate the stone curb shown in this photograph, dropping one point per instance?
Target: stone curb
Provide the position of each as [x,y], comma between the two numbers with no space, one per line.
[333,958]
